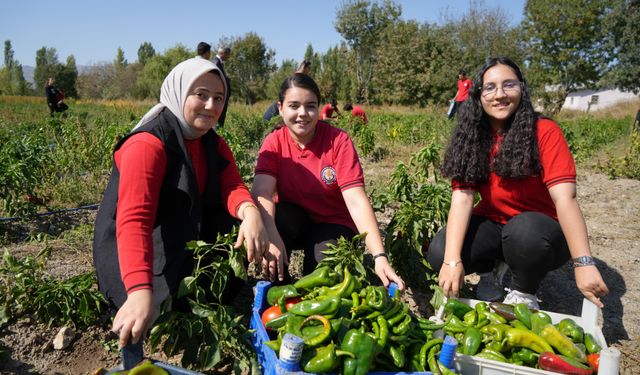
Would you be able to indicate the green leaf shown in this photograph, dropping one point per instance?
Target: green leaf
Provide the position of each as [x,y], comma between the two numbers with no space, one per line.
[212,356]
[236,261]
[187,286]
[201,310]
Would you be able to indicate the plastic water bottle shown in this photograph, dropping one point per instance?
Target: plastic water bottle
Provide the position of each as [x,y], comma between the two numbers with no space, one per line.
[609,362]
[448,351]
[289,356]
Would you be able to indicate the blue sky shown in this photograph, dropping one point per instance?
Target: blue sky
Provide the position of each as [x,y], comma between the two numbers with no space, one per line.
[93,30]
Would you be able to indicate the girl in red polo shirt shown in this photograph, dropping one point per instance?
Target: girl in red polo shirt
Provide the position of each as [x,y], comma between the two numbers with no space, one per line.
[313,169]
[528,216]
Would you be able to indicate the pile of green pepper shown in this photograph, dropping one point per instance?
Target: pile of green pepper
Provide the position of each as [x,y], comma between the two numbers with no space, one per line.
[352,328]
[514,333]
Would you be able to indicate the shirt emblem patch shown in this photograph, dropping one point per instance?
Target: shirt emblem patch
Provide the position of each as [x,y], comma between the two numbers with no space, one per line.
[328,175]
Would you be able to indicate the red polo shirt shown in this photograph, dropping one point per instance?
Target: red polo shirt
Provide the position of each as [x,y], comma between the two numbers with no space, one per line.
[313,177]
[504,198]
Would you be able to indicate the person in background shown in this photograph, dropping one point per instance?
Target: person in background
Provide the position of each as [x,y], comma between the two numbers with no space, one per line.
[464,85]
[313,169]
[327,112]
[356,111]
[204,50]
[174,180]
[528,216]
[272,111]
[55,97]
[219,60]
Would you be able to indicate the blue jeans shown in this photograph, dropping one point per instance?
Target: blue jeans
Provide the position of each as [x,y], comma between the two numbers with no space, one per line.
[531,243]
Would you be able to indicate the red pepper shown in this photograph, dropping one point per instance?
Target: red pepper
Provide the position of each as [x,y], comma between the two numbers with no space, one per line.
[563,365]
[593,360]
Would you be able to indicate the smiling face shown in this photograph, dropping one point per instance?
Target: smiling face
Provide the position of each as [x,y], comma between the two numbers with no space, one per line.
[500,95]
[204,102]
[299,111]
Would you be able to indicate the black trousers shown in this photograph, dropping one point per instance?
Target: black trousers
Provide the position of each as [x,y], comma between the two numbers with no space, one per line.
[531,243]
[299,232]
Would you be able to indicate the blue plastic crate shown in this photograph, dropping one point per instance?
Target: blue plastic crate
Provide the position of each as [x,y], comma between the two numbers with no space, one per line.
[266,356]
[132,354]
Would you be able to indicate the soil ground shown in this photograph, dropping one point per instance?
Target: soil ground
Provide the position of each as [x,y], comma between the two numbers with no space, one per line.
[611,209]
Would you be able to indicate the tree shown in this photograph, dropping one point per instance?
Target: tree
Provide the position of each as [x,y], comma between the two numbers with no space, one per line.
[120,62]
[12,80]
[47,66]
[157,68]
[249,67]
[275,80]
[67,77]
[567,47]
[625,38]
[332,75]
[361,23]
[145,52]
[314,59]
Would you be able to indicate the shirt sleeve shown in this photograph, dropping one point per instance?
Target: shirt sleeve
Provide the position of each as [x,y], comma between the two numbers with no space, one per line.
[348,168]
[267,162]
[141,162]
[555,157]
[457,185]
[234,191]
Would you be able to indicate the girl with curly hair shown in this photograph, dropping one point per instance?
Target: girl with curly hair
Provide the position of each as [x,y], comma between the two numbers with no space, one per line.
[528,216]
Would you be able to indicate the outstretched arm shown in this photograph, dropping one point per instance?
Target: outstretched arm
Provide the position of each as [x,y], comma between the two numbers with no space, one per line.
[275,261]
[362,214]
[574,228]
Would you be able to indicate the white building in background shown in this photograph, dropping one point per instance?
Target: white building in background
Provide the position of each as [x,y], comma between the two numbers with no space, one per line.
[593,100]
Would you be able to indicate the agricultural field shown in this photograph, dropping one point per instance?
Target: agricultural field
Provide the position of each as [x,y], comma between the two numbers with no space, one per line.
[53,171]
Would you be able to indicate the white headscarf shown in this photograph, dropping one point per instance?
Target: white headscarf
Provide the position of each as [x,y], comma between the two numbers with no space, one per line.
[176,88]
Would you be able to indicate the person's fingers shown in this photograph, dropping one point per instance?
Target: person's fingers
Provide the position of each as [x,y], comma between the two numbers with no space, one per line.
[137,331]
[593,298]
[125,334]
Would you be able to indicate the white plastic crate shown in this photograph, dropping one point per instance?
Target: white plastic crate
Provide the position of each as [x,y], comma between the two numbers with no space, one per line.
[469,365]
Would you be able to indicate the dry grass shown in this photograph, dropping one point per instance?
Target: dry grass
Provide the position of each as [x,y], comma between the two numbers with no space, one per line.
[621,110]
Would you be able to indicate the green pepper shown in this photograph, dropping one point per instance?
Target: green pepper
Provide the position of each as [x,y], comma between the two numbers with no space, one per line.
[471,341]
[396,306]
[345,288]
[481,306]
[591,344]
[571,329]
[399,316]
[527,339]
[323,359]
[496,336]
[562,343]
[470,318]
[457,308]
[277,322]
[364,349]
[326,306]
[321,276]
[524,355]
[518,324]
[148,368]
[523,314]
[403,327]
[384,331]
[275,293]
[492,317]
[293,325]
[414,358]
[433,361]
[539,320]
[274,344]
[397,355]
[492,355]
[454,325]
[425,350]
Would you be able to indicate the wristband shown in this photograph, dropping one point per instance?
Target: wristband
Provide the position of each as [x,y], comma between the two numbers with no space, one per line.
[584,260]
[384,255]
[453,263]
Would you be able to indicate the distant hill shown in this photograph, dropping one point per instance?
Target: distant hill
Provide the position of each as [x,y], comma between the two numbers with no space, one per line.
[28,70]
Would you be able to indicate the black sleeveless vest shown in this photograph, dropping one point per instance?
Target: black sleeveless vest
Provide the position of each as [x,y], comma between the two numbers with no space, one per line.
[182,215]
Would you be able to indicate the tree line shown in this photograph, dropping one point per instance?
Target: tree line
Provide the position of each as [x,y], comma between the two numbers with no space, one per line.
[383,58]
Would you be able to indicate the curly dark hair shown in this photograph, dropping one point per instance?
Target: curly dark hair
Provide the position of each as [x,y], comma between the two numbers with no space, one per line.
[467,157]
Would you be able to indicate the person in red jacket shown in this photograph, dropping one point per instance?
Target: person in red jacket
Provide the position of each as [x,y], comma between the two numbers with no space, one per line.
[528,216]
[174,180]
[313,169]
[464,85]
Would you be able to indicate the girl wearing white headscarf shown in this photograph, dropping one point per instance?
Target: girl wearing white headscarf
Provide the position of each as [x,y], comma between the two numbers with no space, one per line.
[174,180]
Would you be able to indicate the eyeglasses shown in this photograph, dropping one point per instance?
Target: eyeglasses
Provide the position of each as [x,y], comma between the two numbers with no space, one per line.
[490,90]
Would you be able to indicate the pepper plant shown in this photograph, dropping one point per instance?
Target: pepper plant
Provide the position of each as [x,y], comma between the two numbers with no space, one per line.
[208,334]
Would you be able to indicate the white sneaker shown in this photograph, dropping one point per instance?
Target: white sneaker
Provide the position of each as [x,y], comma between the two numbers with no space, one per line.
[491,284]
[515,296]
